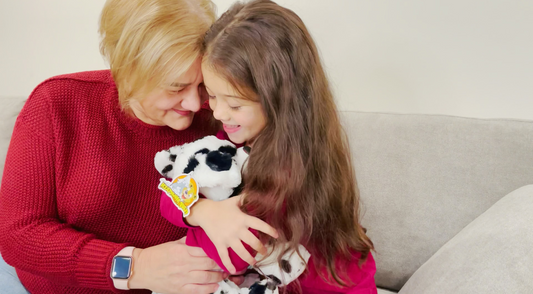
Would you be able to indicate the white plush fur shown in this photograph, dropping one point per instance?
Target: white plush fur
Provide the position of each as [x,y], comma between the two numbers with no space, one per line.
[269,267]
[214,185]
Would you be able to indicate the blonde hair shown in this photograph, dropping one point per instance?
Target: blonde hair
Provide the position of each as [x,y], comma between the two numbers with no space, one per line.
[149,43]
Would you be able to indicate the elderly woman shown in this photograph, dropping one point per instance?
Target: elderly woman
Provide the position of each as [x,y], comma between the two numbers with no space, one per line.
[79,204]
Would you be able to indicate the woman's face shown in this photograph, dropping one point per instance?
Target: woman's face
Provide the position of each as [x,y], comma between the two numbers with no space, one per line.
[242,119]
[175,104]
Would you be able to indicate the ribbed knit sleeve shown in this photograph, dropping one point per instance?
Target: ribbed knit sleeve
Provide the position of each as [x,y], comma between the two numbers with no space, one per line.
[34,239]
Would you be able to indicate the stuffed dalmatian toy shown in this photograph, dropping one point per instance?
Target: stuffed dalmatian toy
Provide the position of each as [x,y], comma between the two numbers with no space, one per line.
[217,166]
[269,275]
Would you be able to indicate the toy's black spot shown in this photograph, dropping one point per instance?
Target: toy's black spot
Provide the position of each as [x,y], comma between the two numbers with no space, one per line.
[166,169]
[286,266]
[257,288]
[228,149]
[193,163]
[274,279]
[271,285]
[172,157]
[218,161]
[203,151]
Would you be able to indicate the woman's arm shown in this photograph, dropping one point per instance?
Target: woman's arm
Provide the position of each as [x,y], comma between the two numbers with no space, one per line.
[174,267]
[34,239]
[37,239]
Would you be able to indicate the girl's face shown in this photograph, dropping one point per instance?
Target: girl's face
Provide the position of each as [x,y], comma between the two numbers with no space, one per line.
[242,119]
[175,104]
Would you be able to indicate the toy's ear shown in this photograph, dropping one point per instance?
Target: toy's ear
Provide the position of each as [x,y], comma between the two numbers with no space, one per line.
[241,158]
[291,266]
[164,161]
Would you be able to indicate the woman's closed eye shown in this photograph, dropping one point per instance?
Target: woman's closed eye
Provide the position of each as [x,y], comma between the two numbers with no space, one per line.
[174,92]
[234,107]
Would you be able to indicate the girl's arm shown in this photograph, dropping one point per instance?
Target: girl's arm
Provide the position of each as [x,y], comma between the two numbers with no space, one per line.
[226,234]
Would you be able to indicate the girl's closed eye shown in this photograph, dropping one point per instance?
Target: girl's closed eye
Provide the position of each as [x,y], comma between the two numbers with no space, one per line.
[234,107]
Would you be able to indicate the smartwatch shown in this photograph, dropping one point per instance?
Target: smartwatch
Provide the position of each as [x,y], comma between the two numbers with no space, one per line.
[121,268]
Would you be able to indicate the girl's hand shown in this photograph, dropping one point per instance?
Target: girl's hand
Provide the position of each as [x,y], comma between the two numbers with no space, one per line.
[226,225]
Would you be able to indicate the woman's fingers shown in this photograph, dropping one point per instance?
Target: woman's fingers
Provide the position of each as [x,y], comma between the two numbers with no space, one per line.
[200,260]
[196,251]
[203,264]
[238,280]
[199,289]
[181,241]
[207,277]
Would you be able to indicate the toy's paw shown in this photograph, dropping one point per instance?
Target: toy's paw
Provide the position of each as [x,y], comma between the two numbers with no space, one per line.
[265,286]
[227,287]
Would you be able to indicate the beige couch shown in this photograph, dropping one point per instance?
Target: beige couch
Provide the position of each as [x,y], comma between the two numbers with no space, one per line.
[445,199]
[448,201]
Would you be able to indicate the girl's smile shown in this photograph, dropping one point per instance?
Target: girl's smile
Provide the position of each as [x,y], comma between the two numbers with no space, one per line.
[231,128]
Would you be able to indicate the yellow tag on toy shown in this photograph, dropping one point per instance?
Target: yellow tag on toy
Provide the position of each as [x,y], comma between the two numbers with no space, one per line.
[183,191]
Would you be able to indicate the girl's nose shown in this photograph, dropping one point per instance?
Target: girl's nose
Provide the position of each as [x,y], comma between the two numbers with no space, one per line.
[219,112]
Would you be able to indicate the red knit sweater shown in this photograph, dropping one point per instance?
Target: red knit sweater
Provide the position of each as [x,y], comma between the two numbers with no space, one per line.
[79,184]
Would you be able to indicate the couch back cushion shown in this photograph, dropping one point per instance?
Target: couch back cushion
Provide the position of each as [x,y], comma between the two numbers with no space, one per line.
[423,178]
[9,110]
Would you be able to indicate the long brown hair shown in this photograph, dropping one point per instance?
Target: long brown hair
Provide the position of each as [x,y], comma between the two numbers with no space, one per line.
[299,176]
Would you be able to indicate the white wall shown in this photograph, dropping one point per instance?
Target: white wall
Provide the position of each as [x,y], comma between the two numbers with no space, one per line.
[469,58]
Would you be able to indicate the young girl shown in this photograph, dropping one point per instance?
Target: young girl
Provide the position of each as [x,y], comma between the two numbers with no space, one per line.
[267,87]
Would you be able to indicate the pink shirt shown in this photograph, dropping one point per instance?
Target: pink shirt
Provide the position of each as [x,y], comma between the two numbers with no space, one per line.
[310,282]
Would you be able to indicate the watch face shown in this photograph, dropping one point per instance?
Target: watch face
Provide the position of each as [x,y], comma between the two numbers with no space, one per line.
[120,269]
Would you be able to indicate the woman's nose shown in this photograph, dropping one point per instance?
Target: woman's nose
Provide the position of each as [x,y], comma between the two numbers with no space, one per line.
[192,100]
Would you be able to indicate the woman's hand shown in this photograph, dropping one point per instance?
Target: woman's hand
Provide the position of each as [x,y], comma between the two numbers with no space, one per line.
[226,225]
[174,268]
